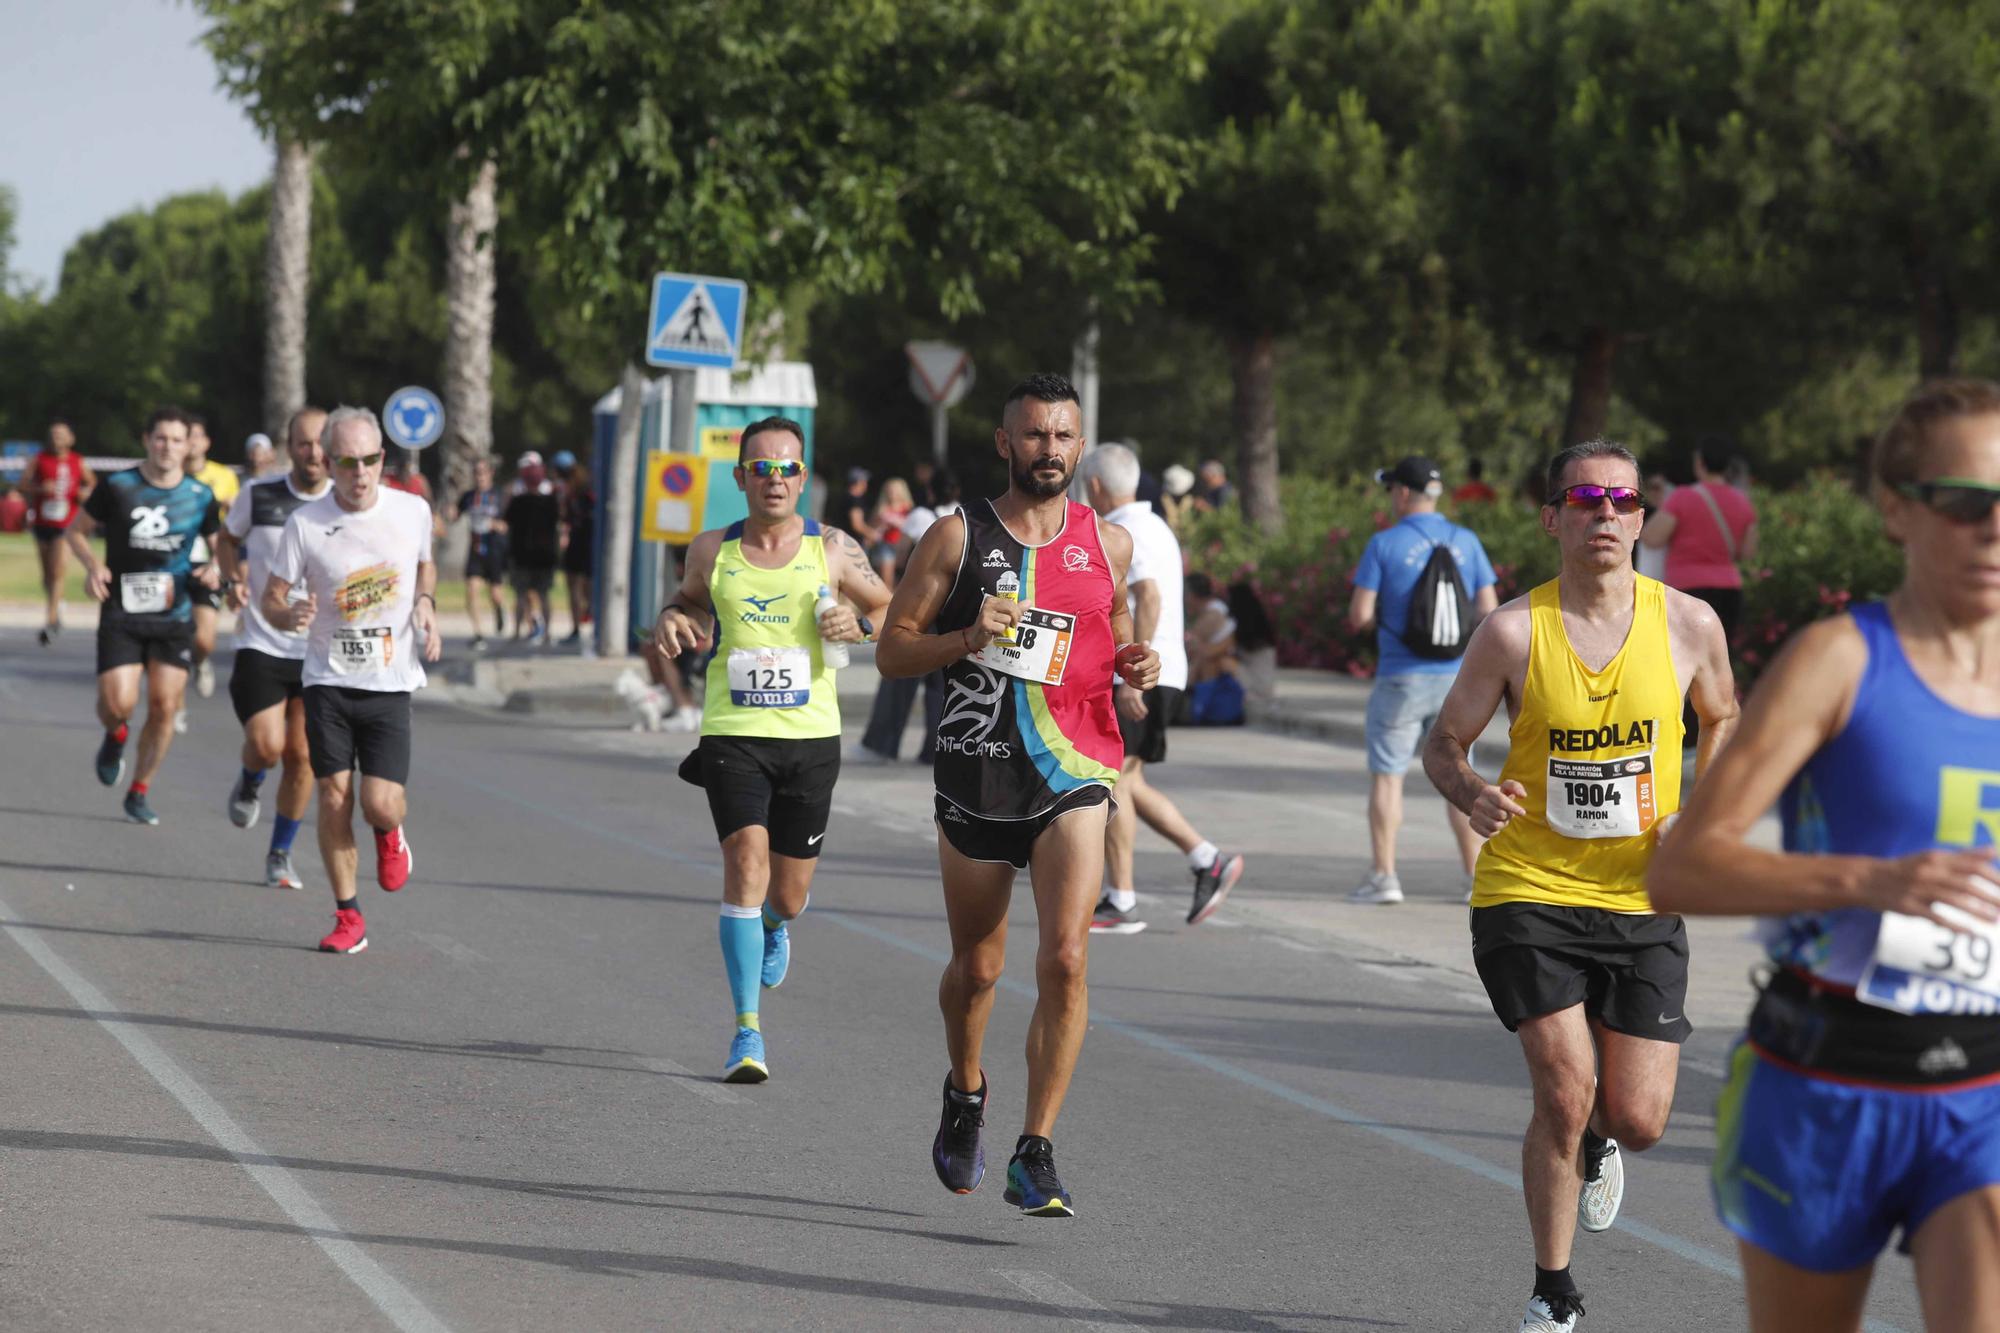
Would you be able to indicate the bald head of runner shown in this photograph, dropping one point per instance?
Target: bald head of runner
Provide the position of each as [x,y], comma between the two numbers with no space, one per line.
[302,445]
[1040,436]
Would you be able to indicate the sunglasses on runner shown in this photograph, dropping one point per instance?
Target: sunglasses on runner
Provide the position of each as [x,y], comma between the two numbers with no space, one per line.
[1957,499]
[353,464]
[775,467]
[1624,499]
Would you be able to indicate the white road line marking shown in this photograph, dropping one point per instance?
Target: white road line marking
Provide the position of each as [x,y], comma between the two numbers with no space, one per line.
[1296,946]
[449,947]
[1051,1290]
[392,1298]
[693,1082]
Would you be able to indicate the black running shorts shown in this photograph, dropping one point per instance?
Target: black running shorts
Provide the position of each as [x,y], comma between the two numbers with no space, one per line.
[259,681]
[366,729]
[1628,971]
[533,578]
[782,786]
[1146,739]
[1010,841]
[489,564]
[148,641]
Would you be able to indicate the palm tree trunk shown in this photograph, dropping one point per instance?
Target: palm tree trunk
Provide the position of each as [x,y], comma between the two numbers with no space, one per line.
[1254,412]
[468,339]
[287,276]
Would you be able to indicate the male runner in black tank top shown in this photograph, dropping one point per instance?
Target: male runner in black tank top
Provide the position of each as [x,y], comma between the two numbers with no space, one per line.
[1025,758]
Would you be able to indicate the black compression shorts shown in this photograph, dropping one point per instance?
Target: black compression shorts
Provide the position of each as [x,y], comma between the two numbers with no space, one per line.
[784,786]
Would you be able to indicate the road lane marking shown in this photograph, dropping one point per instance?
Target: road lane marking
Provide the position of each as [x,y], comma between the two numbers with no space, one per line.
[1052,1290]
[397,1303]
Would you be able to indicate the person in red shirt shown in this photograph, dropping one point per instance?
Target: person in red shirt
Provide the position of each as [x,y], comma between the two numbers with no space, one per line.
[57,484]
[1708,530]
[1475,490]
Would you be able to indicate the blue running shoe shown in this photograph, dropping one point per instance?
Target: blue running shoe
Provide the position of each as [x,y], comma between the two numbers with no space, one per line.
[777,956]
[110,761]
[746,1058]
[137,810]
[957,1155]
[1031,1181]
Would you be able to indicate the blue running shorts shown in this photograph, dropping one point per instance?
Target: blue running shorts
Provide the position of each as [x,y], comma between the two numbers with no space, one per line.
[1820,1173]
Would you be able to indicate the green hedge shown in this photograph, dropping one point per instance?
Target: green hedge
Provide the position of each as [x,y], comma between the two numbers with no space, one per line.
[1821,546]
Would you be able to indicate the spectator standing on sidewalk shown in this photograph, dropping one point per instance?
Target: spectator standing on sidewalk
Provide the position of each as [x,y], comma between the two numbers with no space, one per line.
[1410,686]
[534,523]
[1708,530]
[1214,491]
[1474,490]
[884,737]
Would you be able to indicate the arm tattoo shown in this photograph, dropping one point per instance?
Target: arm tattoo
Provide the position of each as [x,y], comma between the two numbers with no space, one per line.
[846,544]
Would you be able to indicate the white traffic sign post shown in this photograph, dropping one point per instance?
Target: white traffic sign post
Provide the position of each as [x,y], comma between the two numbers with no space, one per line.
[940,374]
[413,418]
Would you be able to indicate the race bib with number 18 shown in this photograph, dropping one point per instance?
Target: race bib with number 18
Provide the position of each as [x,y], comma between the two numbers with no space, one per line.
[1040,649]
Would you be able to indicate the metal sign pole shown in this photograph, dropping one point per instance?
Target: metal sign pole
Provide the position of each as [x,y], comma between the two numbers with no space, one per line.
[614,626]
[938,418]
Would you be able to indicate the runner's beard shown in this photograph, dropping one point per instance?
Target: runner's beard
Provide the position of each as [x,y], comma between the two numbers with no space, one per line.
[1026,482]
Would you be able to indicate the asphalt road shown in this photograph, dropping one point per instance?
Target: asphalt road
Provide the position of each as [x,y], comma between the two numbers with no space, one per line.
[504,1114]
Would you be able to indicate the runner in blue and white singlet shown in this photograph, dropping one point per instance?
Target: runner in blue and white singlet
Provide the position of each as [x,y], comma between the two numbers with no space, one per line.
[1864,1101]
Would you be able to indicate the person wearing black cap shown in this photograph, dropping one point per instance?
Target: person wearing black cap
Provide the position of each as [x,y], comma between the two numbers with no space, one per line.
[1411,677]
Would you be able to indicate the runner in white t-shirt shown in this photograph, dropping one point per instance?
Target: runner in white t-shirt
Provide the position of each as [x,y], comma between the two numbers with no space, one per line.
[1153,584]
[363,553]
[266,685]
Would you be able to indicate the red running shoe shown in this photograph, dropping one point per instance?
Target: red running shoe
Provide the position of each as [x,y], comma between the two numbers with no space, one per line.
[393,860]
[350,933]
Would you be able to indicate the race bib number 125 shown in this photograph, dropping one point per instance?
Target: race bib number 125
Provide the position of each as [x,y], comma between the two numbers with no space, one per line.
[770,677]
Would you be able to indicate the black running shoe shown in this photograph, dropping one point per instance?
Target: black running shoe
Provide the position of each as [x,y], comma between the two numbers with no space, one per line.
[1212,885]
[956,1153]
[110,761]
[1031,1181]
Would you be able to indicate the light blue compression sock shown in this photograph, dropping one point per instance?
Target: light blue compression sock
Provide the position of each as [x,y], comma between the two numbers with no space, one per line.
[283,830]
[742,934]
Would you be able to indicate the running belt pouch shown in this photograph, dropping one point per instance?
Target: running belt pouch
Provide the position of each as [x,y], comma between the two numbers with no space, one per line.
[691,770]
[1828,1032]
[1440,619]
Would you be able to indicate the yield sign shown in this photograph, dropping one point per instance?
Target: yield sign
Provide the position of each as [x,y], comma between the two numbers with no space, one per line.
[940,374]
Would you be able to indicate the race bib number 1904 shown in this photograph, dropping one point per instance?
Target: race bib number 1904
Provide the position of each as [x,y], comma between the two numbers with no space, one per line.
[1611,798]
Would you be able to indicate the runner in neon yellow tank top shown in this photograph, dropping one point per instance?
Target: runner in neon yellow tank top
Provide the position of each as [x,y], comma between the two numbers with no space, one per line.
[770,728]
[1593,667]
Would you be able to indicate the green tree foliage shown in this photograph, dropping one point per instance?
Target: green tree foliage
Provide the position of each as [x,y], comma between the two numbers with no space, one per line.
[1606,186]
[166,305]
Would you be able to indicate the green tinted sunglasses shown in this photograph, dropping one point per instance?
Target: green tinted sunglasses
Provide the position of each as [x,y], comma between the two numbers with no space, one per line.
[1957,498]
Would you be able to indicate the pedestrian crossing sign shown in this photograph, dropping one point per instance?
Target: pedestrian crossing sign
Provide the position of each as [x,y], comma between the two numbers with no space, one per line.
[695,321]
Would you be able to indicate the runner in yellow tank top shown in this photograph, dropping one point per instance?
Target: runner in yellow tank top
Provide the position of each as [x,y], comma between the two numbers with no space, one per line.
[770,727]
[1593,667]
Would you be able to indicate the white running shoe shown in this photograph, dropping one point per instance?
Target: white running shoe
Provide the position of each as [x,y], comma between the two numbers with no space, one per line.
[1378,888]
[1597,1206]
[861,754]
[181,722]
[1556,1314]
[682,719]
[204,679]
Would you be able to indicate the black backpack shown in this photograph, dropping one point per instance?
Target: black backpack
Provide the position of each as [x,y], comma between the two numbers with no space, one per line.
[1440,619]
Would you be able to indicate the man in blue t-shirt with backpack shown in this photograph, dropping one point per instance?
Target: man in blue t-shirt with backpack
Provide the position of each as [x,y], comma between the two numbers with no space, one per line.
[1422,585]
